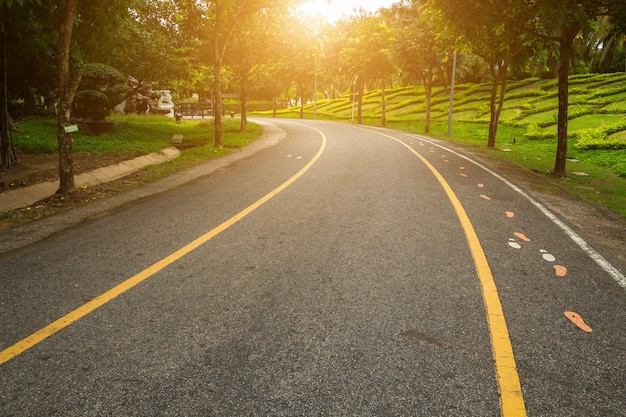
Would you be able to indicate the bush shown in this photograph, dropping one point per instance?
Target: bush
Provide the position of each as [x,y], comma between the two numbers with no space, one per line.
[620,169]
[101,88]
[99,76]
[91,104]
[597,139]
[116,94]
[534,132]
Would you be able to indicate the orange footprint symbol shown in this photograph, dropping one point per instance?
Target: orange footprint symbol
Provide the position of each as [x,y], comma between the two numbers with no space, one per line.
[578,321]
[522,236]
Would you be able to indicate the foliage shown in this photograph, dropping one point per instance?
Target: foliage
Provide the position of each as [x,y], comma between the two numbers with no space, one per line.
[596,139]
[133,134]
[91,105]
[98,76]
[10,3]
[534,132]
[101,88]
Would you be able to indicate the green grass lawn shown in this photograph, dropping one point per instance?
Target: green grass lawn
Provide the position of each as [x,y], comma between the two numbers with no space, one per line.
[597,120]
[142,134]
[597,110]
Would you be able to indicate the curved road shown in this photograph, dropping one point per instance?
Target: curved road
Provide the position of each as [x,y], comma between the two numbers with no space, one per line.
[341,271]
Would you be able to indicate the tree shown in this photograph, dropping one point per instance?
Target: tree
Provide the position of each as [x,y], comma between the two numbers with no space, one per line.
[251,46]
[301,50]
[362,48]
[562,22]
[417,49]
[603,50]
[69,33]
[216,22]
[489,28]
[151,44]
[7,151]
[68,83]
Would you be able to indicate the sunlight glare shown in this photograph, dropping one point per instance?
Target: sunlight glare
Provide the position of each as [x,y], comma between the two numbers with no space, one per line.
[340,8]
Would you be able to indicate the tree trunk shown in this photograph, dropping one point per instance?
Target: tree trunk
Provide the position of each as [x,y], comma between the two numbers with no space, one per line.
[361,88]
[8,158]
[244,101]
[493,124]
[565,49]
[301,90]
[504,73]
[274,98]
[383,105]
[428,91]
[217,72]
[67,85]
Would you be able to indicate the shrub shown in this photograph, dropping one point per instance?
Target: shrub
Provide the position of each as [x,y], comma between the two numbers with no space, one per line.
[534,132]
[99,76]
[596,139]
[101,88]
[91,104]
[620,169]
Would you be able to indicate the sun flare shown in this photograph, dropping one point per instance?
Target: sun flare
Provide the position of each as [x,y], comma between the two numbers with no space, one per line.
[334,10]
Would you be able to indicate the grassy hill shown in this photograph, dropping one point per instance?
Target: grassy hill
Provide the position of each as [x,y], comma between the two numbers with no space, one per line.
[528,127]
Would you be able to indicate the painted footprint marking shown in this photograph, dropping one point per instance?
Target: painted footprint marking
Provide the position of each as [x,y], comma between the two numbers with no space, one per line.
[578,321]
[559,270]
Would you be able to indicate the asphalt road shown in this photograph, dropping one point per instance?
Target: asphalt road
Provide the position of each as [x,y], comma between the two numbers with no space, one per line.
[341,271]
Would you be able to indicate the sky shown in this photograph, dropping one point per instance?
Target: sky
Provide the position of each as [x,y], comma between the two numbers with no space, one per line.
[337,8]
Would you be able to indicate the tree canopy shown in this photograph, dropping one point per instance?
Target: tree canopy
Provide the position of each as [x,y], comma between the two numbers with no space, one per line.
[261,48]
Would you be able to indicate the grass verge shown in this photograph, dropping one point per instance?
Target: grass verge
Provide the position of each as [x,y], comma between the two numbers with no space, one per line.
[131,135]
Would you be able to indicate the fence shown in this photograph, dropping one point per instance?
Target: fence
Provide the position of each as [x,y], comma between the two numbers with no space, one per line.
[196,109]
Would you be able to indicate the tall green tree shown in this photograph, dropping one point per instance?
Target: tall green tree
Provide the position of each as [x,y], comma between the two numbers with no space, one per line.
[69,68]
[363,52]
[151,44]
[7,151]
[68,83]
[418,49]
[562,22]
[256,43]
[215,22]
[490,29]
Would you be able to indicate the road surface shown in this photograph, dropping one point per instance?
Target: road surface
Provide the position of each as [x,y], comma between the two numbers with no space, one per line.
[342,271]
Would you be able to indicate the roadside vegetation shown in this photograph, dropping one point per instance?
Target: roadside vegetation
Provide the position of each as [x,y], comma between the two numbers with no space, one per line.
[538,83]
[528,128]
[140,134]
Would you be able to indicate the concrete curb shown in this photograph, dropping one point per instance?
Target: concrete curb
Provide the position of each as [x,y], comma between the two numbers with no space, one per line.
[25,196]
[32,232]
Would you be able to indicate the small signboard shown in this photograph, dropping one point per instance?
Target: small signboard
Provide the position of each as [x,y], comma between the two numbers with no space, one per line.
[71,128]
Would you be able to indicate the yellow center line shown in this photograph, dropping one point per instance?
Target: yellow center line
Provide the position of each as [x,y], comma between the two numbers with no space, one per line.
[511,397]
[52,328]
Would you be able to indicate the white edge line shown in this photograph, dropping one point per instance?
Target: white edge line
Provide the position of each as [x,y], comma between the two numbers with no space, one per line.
[591,252]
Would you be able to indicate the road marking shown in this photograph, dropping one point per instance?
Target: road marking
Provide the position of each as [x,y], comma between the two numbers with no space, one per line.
[578,321]
[590,251]
[54,327]
[511,396]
